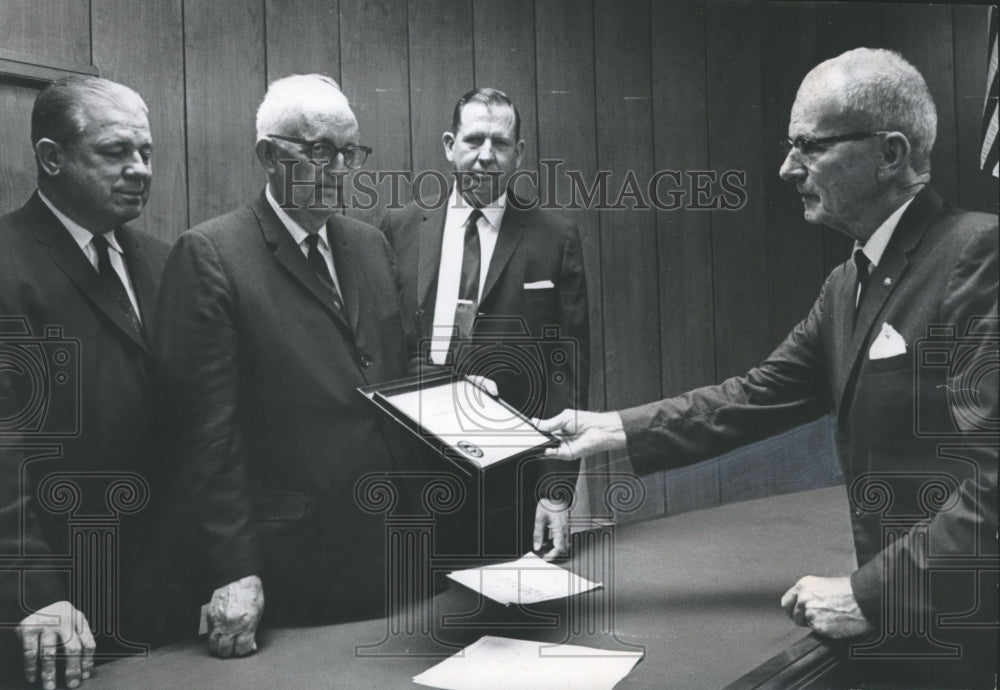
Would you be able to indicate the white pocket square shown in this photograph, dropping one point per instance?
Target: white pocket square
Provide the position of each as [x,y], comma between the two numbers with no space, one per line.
[888,343]
[539,285]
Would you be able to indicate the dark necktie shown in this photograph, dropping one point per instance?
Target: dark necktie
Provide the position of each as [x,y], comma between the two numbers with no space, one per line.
[113,283]
[468,286]
[318,264]
[861,262]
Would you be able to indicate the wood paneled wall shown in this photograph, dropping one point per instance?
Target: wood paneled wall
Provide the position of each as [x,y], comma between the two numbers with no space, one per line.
[681,297]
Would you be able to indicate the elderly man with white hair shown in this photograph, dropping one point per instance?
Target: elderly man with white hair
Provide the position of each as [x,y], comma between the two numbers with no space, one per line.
[902,347]
[272,316]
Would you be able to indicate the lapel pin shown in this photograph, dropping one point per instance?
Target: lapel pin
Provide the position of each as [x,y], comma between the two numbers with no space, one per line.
[887,282]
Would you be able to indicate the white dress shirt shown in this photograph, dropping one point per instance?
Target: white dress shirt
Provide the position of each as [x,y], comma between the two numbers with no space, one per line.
[874,248]
[84,239]
[299,234]
[450,269]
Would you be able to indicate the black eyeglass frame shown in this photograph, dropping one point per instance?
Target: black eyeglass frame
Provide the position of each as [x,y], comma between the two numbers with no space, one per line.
[807,146]
[349,150]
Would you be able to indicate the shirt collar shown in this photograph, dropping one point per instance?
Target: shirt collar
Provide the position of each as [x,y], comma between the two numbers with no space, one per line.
[298,233]
[492,213]
[81,235]
[874,248]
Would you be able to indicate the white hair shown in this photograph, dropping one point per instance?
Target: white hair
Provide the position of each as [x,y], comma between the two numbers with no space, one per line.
[879,89]
[291,100]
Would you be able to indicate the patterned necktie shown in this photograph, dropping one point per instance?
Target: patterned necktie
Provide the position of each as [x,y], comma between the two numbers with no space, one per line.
[318,264]
[862,263]
[113,282]
[468,285]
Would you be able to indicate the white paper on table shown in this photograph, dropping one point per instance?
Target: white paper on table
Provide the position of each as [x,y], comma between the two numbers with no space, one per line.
[500,663]
[467,417]
[527,580]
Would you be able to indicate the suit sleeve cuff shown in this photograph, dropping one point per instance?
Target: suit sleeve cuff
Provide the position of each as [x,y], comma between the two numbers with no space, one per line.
[867,586]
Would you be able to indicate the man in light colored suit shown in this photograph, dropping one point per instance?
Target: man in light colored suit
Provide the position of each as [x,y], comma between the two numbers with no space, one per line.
[272,316]
[902,346]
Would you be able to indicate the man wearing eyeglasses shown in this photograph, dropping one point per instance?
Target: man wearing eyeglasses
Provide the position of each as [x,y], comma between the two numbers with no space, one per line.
[902,346]
[497,288]
[273,315]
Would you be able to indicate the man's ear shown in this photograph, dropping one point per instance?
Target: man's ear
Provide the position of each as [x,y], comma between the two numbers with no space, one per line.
[267,154]
[895,156]
[50,155]
[518,153]
[448,139]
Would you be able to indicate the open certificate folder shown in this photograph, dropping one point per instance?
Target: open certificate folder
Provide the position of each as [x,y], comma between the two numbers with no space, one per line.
[459,419]
[501,663]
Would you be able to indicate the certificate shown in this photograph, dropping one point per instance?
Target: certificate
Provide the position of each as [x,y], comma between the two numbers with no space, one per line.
[459,419]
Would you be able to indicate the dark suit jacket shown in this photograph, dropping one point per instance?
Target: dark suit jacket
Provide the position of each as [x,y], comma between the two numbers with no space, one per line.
[517,330]
[271,434]
[916,433]
[92,403]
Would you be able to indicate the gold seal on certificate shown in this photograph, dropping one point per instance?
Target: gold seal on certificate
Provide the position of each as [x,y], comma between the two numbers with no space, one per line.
[459,418]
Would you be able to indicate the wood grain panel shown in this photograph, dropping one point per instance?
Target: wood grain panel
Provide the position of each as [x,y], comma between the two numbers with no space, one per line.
[628,236]
[441,70]
[680,144]
[303,37]
[910,29]
[141,45]
[375,77]
[567,136]
[224,64]
[504,34]
[17,174]
[840,27]
[629,248]
[977,188]
[692,488]
[53,29]
[799,459]
[794,247]
[740,260]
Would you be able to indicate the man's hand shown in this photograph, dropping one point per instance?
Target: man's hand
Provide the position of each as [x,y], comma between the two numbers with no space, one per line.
[583,433]
[552,516]
[233,615]
[41,632]
[827,605]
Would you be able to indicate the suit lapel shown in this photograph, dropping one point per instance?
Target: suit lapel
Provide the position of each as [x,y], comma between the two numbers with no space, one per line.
[348,274]
[886,278]
[141,275]
[289,256]
[431,233]
[511,231]
[71,260]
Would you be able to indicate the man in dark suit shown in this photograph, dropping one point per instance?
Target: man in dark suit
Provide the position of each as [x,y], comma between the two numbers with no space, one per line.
[496,285]
[902,346]
[77,293]
[272,316]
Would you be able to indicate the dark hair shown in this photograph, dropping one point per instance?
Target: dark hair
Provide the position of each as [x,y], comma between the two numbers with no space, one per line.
[490,98]
[57,113]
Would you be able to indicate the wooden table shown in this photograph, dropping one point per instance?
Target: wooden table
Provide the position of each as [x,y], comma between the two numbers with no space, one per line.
[699,592]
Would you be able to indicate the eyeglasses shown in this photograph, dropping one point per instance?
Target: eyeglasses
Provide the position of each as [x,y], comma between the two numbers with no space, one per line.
[810,147]
[325,152]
